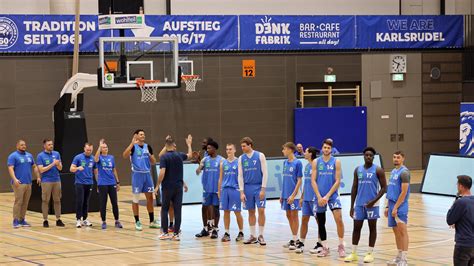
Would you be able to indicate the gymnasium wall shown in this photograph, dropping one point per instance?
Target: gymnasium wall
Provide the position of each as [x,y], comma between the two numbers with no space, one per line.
[225,106]
[301,7]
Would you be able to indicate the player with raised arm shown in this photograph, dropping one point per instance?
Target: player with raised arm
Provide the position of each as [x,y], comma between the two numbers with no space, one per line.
[142,159]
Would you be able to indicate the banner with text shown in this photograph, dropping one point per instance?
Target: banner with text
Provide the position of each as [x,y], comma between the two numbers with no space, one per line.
[193,32]
[409,32]
[297,32]
[47,33]
[55,33]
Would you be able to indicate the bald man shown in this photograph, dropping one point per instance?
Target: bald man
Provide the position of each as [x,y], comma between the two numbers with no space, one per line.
[20,166]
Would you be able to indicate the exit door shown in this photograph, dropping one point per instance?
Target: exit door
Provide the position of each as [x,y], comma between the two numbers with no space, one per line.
[396,125]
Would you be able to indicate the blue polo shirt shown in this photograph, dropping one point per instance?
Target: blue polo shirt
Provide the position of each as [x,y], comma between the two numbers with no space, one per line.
[86,176]
[46,158]
[22,163]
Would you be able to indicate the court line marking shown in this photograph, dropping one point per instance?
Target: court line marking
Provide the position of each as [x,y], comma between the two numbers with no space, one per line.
[28,261]
[426,245]
[80,241]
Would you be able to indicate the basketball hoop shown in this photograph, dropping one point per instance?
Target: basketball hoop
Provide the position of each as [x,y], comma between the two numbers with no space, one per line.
[149,88]
[190,81]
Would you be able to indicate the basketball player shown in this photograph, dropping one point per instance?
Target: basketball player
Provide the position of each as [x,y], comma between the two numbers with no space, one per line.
[228,192]
[290,193]
[108,182]
[201,155]
[398,192]
[325,179]
[142,158]
[49,164]
[368,187]
[20,166]
[210,180]
[253,176]
[307,204]
[83,166]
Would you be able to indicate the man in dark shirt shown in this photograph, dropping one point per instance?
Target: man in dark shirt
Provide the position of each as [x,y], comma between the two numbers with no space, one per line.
[171,181]
[461,216]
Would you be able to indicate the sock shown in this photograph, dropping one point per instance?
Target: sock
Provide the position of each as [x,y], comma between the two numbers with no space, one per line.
[295,237]
[302,240]
[404,255]
[136,218]
[324,243]
[260,229]
[319,240]
[206,227]
[210,223]
[370,250]
[341,241]
[171,224]
[252,230]
[152,216]
[399,255]
[354,249]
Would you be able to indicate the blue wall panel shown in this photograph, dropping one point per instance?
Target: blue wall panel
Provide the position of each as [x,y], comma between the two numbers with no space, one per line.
[347,126]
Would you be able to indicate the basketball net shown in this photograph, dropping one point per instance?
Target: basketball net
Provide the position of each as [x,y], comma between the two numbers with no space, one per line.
[190,81]
[149,89]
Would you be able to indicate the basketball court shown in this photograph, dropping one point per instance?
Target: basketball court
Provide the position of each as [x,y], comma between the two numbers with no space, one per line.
[431,241]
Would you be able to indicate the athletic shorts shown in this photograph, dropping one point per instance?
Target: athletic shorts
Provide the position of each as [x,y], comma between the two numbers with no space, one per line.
[308,208]
[252,194]
[142,183]
[363,213]
[210,199]
[295,206]
[402,215]
[334,204]
[230,199]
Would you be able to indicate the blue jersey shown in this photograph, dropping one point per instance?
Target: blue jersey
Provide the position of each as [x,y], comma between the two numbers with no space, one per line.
[252,169]
[309,194]
[85,176]
[105,166]
[210,175]
[22,163]
[291,172]
[394,188]
[368,186]
[326,176]
[140,159]
[230,174]
[46,158]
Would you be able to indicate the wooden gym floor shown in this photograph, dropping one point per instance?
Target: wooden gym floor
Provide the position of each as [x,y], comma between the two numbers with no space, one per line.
[431,242]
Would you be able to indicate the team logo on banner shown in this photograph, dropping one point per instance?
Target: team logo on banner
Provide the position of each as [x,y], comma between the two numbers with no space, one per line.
[272,33]
[8,33]
[466,137]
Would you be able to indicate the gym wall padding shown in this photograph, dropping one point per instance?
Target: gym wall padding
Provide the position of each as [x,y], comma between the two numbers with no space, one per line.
[347,126]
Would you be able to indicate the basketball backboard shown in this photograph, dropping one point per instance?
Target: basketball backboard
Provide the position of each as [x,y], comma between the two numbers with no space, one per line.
[122,60]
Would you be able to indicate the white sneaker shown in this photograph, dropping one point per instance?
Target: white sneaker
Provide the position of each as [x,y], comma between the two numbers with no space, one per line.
[394,261]
[87,223]
[78,224]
